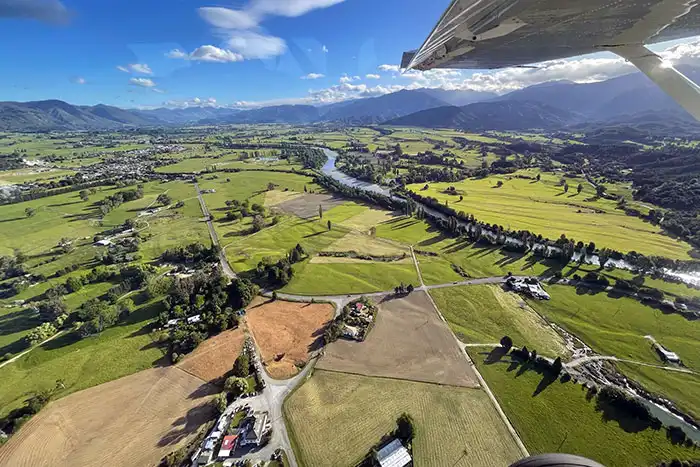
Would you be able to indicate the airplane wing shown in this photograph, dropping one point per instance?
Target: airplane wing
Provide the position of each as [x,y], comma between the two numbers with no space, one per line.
[485,34]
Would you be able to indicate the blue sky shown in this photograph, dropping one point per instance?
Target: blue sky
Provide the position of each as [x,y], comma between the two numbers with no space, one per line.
[242,52]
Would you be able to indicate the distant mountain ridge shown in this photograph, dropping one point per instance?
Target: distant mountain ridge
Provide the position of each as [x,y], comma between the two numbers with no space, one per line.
[625,100]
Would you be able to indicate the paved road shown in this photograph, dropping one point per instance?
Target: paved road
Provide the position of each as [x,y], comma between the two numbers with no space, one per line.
[225,267]
[274,395]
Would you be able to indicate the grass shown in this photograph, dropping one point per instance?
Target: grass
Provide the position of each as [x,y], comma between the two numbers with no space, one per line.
[276,241]
[561,419]
[485,313]
[29,175]
[82,363]
[328,421]
[617,326]
[543,208]
[344,278]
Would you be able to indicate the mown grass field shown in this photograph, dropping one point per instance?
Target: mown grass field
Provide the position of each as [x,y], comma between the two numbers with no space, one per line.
[543,208]
[82,363]
[617,326]
[329,423]
[10,177]
[485,313]
[341,278]
[476,260]
[560,418]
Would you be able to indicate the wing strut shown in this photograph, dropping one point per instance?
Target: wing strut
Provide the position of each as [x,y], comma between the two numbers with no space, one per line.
[673,82]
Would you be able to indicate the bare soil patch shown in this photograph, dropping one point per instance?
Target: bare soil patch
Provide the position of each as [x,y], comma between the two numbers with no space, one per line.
[214,357]
[287,333]
[134,420]
[306,206]
[409,341]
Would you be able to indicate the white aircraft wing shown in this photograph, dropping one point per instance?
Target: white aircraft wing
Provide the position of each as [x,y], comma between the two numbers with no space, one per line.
[484,34]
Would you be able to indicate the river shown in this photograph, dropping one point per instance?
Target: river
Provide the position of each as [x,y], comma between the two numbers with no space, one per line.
[329,168]
[666,417]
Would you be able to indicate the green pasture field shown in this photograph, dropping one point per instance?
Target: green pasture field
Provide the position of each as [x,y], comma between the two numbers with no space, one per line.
[342,278]
[483,314]
[13,177]
[476,260]
[249,185]
[560,418]
[246,252]
[543,208]
[329,422]
[617,326]
[82,363]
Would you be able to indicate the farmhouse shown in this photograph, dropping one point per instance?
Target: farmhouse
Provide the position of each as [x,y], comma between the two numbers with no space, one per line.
[393,454]
[529,286]
[666,355]
[227,445]
[254,428]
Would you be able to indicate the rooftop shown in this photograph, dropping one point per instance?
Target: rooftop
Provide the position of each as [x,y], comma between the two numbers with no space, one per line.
[393,454]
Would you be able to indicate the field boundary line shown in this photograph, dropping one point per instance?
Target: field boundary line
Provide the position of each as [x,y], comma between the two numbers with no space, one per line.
[485,386]
[395,378]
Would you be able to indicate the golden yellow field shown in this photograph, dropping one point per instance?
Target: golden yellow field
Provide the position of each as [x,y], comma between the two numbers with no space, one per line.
[336,418]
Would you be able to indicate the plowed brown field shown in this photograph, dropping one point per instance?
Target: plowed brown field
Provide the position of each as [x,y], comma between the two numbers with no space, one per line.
[287,332]
[134,420]
[214,357]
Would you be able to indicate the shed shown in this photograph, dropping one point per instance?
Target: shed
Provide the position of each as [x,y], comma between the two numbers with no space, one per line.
[393,454]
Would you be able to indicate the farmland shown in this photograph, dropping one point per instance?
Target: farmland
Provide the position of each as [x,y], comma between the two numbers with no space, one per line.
[543,207]
[214,358]
[408,341]
[543,411]
[453,425]
[287,333]
[562,418]
[485,313]
[82,363]
[134,420]
[617,326]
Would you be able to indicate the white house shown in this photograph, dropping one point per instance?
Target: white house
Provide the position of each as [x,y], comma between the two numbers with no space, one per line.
[393,454]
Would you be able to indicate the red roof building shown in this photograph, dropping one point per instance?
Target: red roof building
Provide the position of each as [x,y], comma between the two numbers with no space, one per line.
[227,445]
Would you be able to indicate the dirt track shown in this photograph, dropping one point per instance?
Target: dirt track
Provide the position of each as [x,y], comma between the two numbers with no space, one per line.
[409,341]
[306,206]
[286,332]
[134,420]
[214,357]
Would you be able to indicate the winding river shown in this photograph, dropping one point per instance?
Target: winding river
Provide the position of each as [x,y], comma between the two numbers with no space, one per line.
[693,278]
[329,168]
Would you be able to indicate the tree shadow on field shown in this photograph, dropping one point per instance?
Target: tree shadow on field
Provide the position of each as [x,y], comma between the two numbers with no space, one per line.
[203,390]
[319,340]
[13,219]
[184,426]
[433,240]
[623,419]
[495,355]
[66,339]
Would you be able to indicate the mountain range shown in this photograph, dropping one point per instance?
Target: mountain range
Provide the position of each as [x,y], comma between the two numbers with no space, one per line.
[625,100]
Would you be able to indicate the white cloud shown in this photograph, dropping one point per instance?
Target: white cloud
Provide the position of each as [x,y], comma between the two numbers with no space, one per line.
[372,76]
[141,68]
[206,53]
[349,79]
[159,91]
[290,8]
[313,76]
[388,68]
[251,44]
[241,27]
[79,80]
[143,82]
[324,49]
[196,102]
[226,18]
